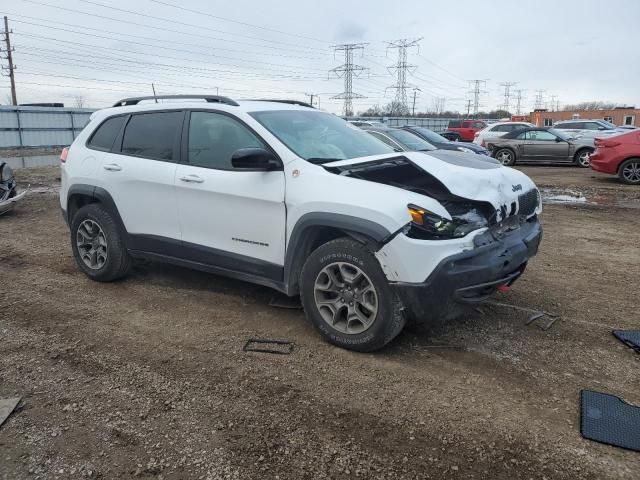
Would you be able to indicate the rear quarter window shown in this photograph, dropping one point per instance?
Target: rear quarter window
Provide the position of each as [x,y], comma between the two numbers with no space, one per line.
[454,124]
[106,133]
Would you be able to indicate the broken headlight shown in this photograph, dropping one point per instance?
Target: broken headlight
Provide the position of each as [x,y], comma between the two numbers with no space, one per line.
[428,225]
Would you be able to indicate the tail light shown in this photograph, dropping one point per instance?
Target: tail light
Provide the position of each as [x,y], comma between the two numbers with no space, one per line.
[63,154]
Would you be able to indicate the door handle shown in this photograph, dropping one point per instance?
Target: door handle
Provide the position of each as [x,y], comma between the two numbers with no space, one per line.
[192,179]
[112,167]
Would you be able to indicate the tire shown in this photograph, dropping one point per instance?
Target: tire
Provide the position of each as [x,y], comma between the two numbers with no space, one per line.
[505,156]
[336,306]
[582,158]
[629,171]
[97,246]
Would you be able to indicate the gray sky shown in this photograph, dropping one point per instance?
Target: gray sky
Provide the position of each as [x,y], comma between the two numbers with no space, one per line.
[576,49]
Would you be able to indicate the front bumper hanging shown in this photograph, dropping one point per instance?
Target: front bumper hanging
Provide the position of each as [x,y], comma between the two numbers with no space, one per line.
[473,275]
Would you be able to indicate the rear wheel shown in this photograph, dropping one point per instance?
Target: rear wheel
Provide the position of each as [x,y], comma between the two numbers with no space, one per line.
[629,171]
[347,297]
[505,156]
[583,158]
[97,247]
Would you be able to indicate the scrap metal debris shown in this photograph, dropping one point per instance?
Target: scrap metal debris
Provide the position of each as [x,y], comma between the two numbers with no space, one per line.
[631,338]
[535,315]
[9,195]
[7,406]
[278,347]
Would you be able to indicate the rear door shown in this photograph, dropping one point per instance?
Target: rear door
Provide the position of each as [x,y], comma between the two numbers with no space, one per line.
[229,218]
[544,145]
[138,172]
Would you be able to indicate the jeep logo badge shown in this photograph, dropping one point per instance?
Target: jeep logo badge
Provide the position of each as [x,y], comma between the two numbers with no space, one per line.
[515,188]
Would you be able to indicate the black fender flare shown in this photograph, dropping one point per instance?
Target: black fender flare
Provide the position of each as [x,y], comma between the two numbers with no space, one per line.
[99,195]
[299,244]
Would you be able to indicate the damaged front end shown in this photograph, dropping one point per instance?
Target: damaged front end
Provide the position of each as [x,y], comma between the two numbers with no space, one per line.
[9,195]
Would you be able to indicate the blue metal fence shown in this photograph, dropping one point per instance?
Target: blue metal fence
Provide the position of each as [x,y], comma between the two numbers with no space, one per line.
[41,126]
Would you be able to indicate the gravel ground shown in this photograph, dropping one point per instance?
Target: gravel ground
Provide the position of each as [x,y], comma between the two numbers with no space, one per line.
[146,377]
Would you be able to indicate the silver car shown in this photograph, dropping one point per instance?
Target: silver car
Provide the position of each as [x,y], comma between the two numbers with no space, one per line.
[587,128]
[541,145]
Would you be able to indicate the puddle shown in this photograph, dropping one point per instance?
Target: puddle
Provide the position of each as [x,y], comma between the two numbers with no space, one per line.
[573,197]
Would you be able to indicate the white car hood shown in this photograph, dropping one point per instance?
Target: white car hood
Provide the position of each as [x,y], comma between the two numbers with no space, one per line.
[465,175]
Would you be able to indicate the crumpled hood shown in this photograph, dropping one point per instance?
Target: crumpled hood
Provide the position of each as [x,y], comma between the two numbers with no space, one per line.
[465,175]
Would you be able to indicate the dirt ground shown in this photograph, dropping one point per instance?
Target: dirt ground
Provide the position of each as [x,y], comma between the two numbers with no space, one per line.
[146,377]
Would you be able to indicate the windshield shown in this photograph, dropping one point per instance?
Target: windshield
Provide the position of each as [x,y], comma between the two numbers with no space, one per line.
[560,133]
[431,136]
[320,137]
[410,140]
[609,125]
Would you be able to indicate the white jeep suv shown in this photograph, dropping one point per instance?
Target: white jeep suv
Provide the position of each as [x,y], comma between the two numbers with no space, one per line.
[284,195]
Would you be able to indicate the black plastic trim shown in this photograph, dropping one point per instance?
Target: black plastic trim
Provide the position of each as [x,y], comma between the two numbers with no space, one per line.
[298,241]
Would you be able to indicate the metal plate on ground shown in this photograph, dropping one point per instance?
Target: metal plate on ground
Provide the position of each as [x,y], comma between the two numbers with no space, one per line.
[630,338]
[278,347]
[608,419]
[7,405]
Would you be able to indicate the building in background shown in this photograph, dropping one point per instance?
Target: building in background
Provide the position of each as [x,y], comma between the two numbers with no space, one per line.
[618,116]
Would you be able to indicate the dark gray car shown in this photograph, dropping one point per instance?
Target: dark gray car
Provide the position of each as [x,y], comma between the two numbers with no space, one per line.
[541,145]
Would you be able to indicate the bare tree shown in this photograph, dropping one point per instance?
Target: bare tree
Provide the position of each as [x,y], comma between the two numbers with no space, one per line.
[79,101]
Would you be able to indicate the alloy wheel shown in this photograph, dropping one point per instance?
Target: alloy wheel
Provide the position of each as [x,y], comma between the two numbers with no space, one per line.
[584,159]
[631,172]
[346,298]
[92,244]
[504,157]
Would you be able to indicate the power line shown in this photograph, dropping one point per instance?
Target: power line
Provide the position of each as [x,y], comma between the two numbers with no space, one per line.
[507,94]
[347,71]
[9,57]
[235,21]
[476,91]
[401,68]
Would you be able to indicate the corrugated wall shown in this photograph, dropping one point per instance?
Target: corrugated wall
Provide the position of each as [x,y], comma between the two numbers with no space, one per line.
[41,126]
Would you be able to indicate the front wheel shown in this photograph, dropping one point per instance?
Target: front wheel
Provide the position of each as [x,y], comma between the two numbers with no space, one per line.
[583,158]
[505,156]
[347,297]
[629,171]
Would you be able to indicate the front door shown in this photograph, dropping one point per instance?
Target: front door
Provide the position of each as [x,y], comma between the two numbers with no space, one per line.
[229,218]
[544,145]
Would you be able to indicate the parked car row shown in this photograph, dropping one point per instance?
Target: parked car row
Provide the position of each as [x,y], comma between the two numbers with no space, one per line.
[616,153]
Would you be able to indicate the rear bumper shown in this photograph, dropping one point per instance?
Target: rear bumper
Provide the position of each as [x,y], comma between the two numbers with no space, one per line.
[471,276]
[604,165]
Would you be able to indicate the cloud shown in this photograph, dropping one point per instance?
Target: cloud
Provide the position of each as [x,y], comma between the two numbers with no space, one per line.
[350,31]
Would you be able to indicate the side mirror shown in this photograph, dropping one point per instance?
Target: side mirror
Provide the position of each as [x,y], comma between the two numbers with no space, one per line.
[602,127]
[558,140]
[255,160]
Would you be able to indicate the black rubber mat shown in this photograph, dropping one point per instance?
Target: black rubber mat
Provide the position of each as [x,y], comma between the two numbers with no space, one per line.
[608,419]
[631,338]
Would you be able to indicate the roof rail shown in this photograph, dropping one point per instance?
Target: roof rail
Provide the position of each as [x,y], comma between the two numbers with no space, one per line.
[209,98]
[290,102]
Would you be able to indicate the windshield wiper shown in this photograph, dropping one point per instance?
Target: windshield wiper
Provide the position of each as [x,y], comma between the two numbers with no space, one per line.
[320,161]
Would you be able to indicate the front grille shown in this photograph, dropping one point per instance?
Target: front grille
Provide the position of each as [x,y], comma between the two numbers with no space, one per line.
[528,202]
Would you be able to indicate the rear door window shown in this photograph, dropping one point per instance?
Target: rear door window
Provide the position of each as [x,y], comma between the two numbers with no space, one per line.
[106,133]
[153,135]
[454,124]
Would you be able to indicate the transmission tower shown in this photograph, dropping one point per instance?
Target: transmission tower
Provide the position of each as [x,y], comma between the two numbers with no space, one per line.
[476,91]
[348,70]
[539,103]
[507,94]
[519,101]
[400,69]
[555,103]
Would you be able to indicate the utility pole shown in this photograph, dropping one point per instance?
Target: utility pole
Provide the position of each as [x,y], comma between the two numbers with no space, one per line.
[401,68]
[507,94]
[519,101]
[347,71]
[153,87]
[415,91]
[539,103]
[313,96]
[468,107]
[9,50]
[476,90]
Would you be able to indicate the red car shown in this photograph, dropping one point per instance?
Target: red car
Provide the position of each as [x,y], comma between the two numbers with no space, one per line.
[466,129]
[618,155]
